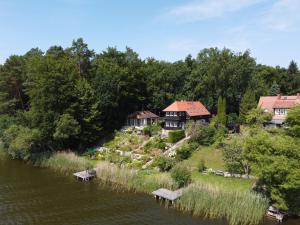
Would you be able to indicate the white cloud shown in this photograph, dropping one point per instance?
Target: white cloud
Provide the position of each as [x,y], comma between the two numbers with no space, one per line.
[283,15]
[206,9]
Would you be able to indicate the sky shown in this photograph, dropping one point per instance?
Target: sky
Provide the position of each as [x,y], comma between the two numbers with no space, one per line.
[164,29]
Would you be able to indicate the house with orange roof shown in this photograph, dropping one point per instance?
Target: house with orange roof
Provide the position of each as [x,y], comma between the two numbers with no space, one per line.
[278,106]
[141,118]
[179,112]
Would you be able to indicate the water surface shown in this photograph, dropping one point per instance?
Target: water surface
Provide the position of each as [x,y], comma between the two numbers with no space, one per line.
[37,196]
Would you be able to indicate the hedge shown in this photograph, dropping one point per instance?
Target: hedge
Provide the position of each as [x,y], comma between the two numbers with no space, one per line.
[175,136]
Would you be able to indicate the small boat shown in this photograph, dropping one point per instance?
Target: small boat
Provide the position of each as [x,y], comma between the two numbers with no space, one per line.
[276,213]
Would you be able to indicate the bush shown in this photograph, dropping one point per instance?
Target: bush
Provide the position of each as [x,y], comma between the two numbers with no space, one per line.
[232,118]
[164,163]
[201,166]
[20,142]
[184,152]
[175,136]
[125,148]
[181,175]
[220,135]
[154,143]
[203,135]
[152,129]
[147,131]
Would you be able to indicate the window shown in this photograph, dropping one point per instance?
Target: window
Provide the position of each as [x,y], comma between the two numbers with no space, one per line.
[280,111]
[173,124]
[167,113]
[167,124]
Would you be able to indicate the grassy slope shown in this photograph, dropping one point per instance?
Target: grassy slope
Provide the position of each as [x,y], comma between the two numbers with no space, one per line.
[212,157]
[225,183]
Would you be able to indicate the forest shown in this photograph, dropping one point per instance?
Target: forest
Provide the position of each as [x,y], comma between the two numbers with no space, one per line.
[70,98]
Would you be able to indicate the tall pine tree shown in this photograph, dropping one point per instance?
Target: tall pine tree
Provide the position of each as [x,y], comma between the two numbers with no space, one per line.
[274,89]
[221,110]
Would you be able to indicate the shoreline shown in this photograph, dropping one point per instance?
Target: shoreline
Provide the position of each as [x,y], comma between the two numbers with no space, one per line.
[198,199]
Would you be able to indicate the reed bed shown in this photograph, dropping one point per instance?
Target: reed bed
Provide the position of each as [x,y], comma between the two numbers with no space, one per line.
[131,179]
[66,162]
[2,152]
[239,208]
[2,155]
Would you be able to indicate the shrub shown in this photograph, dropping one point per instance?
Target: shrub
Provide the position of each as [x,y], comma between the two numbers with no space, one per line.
[164,163]
[232,118]
[154,143]
[20,142]
[203,135]
[220,135]
[147,131]
[125,148]
[184,152]
[181,175]
[201,166]
[152,129]
[175,136]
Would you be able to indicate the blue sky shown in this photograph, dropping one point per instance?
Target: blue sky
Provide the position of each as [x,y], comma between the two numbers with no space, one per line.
[164,29]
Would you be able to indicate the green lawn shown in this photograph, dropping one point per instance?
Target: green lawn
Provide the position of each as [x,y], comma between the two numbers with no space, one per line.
[225,183]
[212,157]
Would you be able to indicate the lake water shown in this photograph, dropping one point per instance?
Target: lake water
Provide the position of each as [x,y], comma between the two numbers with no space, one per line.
[37,196]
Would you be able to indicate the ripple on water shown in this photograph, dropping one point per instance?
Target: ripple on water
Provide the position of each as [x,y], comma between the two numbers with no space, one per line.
[41,197]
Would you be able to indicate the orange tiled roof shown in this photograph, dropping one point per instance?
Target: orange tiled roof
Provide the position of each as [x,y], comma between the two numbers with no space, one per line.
[192,108]
[271,102]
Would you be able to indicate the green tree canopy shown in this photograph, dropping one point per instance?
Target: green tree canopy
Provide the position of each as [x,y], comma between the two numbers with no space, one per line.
[293,120]
[248,102]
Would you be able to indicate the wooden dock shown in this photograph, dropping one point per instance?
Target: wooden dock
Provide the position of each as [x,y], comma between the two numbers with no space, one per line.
[165,194]
[85,175]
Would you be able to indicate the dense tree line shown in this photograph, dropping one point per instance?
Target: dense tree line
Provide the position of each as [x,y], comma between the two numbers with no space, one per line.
[72,97]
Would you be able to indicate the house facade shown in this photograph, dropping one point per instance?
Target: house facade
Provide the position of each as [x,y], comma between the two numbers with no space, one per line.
[141,118]
[179,112]
[278,106]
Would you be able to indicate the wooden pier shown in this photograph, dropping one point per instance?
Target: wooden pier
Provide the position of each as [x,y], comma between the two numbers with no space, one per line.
[165,194]
[85,175]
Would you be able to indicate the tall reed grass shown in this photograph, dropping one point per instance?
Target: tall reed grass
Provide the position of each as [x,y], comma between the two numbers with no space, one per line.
[243,208]
[131,179]
[3,154]
[66,162]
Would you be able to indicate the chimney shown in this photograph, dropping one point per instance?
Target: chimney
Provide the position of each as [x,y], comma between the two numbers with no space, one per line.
[279,96]
[298,95]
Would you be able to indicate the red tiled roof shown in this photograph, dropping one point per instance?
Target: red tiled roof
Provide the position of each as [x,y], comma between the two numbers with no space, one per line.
[192,108]
[142,115]
[269,103]
[284,104]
